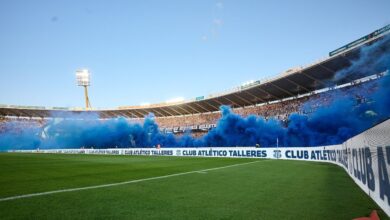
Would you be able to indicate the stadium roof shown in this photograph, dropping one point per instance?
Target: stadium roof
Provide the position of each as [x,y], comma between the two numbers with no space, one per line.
[291,83]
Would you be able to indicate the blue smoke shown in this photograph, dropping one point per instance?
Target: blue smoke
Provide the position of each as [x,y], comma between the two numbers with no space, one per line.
[372,59]
[333,123]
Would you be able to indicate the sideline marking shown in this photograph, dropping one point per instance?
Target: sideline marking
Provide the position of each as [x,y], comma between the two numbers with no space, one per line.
[121,183]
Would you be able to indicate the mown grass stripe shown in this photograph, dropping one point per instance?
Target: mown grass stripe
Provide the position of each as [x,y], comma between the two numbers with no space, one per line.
[121,183]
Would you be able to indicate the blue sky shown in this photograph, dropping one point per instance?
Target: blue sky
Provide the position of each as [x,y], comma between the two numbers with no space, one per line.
[152,51]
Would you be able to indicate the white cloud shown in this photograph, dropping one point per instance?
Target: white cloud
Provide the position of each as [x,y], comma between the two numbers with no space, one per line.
[219,5]
[218,22]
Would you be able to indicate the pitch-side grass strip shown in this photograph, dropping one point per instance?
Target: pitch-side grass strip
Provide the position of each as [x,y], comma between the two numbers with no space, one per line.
[121,183]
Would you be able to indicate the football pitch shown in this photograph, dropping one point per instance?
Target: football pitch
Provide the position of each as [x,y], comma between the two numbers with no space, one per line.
[59,186]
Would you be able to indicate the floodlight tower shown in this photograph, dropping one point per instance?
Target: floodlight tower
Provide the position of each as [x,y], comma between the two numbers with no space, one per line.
[83,79]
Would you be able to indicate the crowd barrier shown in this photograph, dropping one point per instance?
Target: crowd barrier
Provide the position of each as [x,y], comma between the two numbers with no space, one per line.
[365,157]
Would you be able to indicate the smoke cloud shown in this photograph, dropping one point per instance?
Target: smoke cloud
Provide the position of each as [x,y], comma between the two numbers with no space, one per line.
[333,123]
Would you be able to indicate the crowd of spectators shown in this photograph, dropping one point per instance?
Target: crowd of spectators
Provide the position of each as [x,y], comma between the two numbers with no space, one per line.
[18,123]
[280,110]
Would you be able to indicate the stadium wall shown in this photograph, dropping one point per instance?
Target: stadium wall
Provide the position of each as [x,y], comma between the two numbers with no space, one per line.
[365,157]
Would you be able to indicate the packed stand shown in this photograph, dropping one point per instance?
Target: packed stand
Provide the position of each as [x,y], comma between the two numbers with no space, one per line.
[201,123]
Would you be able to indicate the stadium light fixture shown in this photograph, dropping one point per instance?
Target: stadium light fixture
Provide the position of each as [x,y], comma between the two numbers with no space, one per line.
[83,78]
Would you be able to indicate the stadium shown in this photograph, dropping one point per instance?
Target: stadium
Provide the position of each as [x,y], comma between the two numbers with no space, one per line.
[309,143]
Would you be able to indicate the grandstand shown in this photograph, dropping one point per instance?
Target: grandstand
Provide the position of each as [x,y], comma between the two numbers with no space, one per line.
[200,123]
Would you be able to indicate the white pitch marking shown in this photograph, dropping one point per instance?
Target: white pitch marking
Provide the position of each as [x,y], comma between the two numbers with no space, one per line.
[120,183]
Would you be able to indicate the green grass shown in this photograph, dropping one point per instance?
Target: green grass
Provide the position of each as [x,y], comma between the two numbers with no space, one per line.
[268,189]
